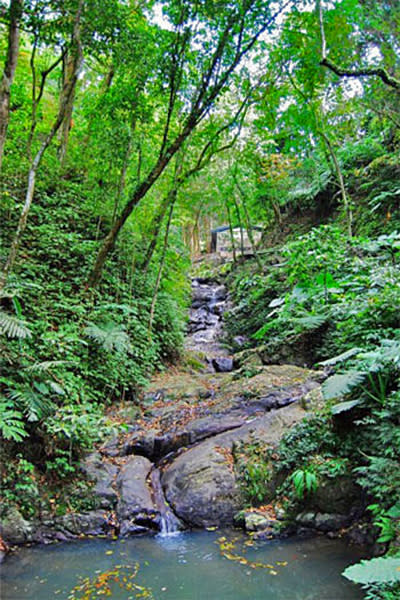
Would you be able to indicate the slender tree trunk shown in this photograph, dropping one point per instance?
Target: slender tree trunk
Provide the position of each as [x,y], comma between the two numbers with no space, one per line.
[228,210]
[161,266]
[36,98]
[72,65]
[33,171]
[16,7]
[140,191]
[339,174]
[277,213]
[249,226]
[156,226]
[237,210]
[122,179]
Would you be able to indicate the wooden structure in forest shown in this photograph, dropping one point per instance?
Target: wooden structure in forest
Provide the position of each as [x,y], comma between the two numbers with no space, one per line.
[222,242]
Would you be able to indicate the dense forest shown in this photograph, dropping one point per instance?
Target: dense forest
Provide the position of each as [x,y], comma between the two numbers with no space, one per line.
[129,129]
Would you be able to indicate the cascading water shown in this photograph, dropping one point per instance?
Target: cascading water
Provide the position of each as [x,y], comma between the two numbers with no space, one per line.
[169,523]
[205,323]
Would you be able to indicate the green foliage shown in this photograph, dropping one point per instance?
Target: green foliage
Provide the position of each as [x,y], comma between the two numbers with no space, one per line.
[375,570]
[341,384]
[11,422]
[305,482]
[20,486]
[254,471]
[109,336]
[13,327]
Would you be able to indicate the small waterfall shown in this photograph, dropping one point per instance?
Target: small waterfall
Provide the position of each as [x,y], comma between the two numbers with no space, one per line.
[169,523]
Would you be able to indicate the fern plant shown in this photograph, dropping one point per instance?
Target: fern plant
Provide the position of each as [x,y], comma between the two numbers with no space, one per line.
[12,326]
[11,422]
[110,336]
[376,369]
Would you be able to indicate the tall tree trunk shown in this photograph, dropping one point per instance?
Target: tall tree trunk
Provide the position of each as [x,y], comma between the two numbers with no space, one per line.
[36,97]
[34,167]
[161,266]
[339,174]
[16,7]
[249,226]
[237,210]
[125,165]
[72,65]
[228,210]
[140,191]
[156,226]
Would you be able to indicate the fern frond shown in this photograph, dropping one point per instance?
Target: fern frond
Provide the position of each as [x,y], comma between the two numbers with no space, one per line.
[13,327]
[341,384]
[34,403]
[311,321]
[344,406]
[47,365]
[11,422]
[109,336]
[339,358]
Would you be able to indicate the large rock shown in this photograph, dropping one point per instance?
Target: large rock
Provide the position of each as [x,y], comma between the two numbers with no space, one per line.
[201,487]
[336,495]
[134,492]
[14,529]
[104,474]
[136,511]
[156,445]
[200,484]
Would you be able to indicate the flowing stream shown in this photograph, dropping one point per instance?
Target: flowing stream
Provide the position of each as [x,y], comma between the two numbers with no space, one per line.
[188,566]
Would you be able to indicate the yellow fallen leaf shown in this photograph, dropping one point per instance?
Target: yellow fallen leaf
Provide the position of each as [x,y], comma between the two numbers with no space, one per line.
[110,552]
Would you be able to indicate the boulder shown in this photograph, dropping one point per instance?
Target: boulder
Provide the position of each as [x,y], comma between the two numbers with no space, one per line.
[256,522]
[104,474]
[323,521]
[136,511]
[94,522]
[135,496]
[200,484]
[222,364]
[14,529]
[336,495]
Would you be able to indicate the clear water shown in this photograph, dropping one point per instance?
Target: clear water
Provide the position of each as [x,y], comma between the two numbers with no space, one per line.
[188,566]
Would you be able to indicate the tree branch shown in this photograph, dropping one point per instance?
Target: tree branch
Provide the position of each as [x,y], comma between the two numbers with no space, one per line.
[365,72]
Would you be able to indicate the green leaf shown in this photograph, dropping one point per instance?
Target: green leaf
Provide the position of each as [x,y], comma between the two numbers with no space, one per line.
[376,570]
[339,358]
[13,327]
[344,406]
[276,302]
[311,321]
[341,384]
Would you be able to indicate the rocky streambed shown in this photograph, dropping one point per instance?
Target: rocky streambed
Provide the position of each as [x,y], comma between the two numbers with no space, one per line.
[175,467]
